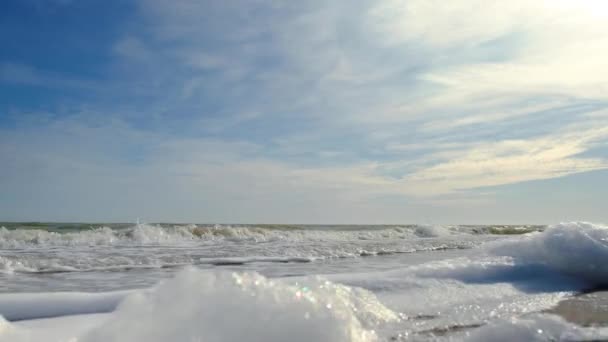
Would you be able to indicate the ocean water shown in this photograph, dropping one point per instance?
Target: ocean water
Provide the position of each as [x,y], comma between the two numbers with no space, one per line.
[167,282]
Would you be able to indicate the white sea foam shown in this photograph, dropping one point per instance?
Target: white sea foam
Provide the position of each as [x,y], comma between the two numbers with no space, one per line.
[11,333]
[145,234]
[255,259]
[461,291]
[510,277]
[431,231]
[41,251]
[501,284]
[83,261]
[577,249]
[20,238]
[195,305]
[566,256]
[209,306]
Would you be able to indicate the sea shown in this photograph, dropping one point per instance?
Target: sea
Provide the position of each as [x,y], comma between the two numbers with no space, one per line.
[67,282]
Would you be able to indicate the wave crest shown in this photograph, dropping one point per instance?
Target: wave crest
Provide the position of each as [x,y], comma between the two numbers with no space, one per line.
[144,234]
[577,249]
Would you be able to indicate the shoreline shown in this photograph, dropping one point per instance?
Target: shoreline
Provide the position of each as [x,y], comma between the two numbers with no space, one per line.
[588,309]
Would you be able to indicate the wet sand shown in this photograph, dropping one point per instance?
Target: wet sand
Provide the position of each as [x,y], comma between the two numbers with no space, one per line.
[587,309]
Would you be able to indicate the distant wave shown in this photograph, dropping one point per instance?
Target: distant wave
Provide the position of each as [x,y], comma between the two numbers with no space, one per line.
[144,234]
[504,230]
[170,246]
[147,234]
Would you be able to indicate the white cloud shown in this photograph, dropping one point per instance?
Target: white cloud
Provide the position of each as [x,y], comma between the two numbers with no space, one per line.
[455,23]
[512,161]
[380,97]
[474,63]
[559,49]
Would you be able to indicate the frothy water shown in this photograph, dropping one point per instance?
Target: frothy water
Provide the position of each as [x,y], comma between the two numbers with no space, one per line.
[144,234]
[220,306]
[163,234]
[277,283]
[104,248]
[577,249]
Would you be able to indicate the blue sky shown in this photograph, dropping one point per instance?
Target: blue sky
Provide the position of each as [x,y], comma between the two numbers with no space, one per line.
[388,111]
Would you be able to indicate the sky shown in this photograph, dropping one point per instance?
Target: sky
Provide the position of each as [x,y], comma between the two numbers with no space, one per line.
[264,111]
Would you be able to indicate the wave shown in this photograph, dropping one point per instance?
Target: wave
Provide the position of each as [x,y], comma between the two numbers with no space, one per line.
[44,251]
[431,231]
[145,246]
[32,235]
[577,249]
[504,230]
[564,257]
[197,304]
[144,234]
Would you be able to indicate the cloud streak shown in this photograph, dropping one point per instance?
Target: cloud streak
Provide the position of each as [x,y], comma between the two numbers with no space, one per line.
[326,105]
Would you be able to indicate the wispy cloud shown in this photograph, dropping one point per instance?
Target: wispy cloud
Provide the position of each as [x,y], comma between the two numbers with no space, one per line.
[512,161]
[348,102]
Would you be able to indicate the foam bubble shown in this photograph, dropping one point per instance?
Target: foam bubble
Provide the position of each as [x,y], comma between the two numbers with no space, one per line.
[210,306]
[200,305]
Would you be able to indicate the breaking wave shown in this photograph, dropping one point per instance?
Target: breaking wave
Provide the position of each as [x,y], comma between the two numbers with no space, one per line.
[31,235]
[53,249]
[144,234]
[577,249]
